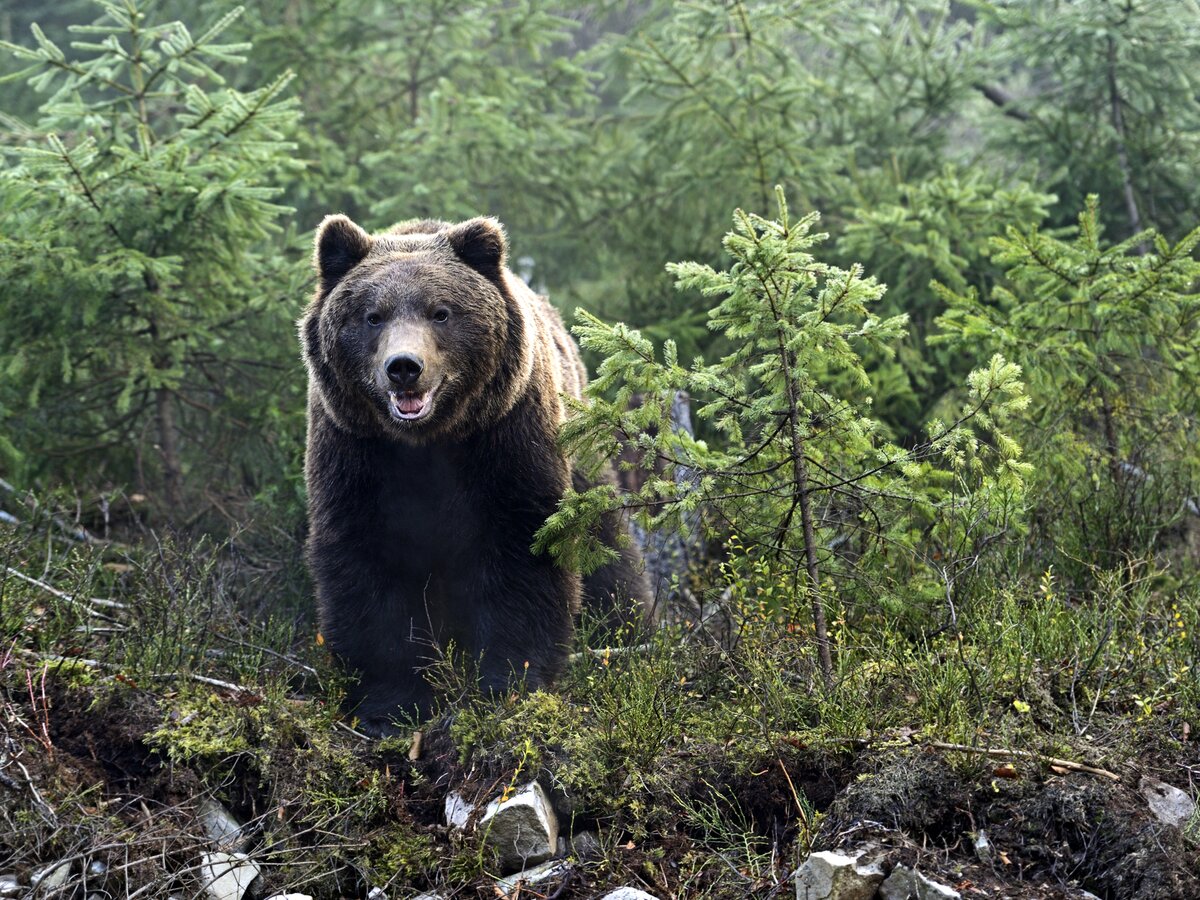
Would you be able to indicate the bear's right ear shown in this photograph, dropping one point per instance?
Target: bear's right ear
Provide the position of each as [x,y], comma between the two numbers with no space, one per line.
[341,245]
[481,244]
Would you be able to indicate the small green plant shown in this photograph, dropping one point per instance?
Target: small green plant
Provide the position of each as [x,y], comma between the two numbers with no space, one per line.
[1103,332]
[802,473]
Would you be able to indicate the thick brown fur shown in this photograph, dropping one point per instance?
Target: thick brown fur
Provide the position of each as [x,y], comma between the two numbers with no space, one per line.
[436,380]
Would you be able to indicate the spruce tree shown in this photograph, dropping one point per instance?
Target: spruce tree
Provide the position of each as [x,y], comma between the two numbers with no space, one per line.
[1106,333]
[144,302]
[798,466]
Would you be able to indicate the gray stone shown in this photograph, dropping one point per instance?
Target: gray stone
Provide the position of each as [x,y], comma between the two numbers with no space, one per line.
[227,876]
[1170,805]
[628,893]
[983,847]
[50,878]
[835,876]
[457,810]
[290,897]
[905,884]
[96,868]
[547,871]
[221,827]
[523,830]
[9,886]
[585,845]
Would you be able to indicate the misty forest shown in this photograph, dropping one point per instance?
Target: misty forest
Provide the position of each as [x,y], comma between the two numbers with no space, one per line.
[890,311]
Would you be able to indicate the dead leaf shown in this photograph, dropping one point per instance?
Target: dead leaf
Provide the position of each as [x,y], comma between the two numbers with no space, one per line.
[1059,770]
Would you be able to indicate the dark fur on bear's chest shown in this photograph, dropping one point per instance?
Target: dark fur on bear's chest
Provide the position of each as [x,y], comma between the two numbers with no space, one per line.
[430,545]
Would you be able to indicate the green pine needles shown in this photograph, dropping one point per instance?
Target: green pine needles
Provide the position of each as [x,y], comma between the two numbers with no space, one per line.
[800,471]
[1107,335]
[140,200]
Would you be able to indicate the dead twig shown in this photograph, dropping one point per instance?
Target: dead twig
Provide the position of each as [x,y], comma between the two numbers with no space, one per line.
[1004,753]
[162,676]
[62,595]
[606,652]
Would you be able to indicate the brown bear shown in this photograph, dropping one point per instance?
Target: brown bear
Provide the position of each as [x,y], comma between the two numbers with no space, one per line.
[436,380]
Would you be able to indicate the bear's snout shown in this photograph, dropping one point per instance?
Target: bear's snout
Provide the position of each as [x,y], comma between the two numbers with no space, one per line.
[403,370]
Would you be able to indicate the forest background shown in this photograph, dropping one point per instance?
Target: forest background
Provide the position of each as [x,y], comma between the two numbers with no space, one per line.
[996,454]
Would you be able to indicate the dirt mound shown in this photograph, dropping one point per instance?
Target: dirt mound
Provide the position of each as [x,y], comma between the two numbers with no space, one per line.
[1050,836]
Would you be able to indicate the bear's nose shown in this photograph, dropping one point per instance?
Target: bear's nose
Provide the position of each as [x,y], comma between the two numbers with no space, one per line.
[404,369]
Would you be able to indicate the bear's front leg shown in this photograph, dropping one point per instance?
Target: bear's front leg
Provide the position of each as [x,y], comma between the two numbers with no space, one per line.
[381,635]
[524,622]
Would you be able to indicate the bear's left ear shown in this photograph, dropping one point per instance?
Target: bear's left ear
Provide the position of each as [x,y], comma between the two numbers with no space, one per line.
[481,244]
[341,245]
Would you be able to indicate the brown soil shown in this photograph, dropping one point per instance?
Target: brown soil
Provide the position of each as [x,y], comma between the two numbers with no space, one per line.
[1052,836]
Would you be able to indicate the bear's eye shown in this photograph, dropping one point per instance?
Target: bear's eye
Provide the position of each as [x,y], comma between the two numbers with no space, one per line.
[441,314]
[374,319]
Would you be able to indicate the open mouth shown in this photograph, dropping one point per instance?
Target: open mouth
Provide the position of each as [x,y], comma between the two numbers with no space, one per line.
[408,406]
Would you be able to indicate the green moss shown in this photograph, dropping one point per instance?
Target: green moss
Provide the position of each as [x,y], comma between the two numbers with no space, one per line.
[400,852]
[202,726]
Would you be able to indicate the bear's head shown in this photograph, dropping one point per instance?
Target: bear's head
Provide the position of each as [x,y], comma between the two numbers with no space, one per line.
[415,333]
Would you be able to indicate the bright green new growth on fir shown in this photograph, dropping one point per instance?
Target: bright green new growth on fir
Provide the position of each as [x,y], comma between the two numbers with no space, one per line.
[1107,337]
[802,475]
[140,201]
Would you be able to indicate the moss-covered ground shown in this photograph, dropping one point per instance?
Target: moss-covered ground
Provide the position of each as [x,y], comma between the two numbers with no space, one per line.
[137,684]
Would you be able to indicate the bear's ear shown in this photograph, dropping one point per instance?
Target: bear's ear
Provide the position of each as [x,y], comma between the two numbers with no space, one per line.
[341,245]
[481,244]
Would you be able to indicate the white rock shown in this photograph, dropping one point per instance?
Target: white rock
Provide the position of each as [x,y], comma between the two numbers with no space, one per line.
[983,847]
[835,876]
[905,884]
[290,897]
[628,893]
[457,810]
[1170,805]
[221,827]
[523,829]
[227,876]
[50,878]
[9,886]
[547,871]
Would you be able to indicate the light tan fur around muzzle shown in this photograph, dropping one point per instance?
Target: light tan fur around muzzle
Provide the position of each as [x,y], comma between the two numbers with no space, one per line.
[415,338]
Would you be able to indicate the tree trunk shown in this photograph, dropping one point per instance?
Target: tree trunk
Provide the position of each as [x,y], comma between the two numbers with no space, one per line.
[824,653]
[169,447]
[1118,123]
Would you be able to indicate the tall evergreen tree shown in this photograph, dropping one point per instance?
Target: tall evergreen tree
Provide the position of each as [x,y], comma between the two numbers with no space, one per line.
[1101,97]
[145,303]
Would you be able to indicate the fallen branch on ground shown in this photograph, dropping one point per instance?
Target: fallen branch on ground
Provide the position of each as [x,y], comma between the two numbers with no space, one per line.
[1024,754]
[62,595]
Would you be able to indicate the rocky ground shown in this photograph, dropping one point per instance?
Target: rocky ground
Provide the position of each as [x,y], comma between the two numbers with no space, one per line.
[95,804]
[157,740]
